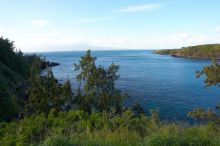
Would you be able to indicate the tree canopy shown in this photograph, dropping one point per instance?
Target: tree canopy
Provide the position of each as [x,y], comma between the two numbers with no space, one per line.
[212,78]
[99,92]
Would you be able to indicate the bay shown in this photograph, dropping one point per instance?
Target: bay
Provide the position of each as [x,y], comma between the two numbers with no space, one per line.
[160,82]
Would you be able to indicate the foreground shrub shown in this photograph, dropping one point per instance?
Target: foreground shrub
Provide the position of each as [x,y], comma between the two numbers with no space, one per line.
[104,129]
[174,135]
[107,138]
[57,140]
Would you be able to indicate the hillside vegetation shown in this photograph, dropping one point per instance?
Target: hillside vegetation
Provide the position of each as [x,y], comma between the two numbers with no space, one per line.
[78,128]
[14,69]
[201,51]
[14,73]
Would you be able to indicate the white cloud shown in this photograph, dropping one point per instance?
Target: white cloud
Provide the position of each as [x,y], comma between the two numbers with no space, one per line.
[40,22]
[82,42]
[45,42]
[217,29]
[139,8]
[94,20]
[54,40]
[149,42]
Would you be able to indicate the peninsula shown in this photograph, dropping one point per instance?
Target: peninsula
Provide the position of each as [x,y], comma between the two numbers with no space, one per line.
[208,51]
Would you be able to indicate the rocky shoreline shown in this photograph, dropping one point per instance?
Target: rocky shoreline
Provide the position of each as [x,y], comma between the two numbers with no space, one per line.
[192,57]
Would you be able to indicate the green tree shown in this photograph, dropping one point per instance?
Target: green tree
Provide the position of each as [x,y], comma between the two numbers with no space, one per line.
[14,69]
[13,58]
[67,94]
[138,109]
[8,108]
[44,92]
[212,74]
[99,92]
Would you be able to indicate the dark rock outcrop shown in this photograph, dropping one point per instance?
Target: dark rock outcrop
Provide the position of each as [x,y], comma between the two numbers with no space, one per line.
[46,64]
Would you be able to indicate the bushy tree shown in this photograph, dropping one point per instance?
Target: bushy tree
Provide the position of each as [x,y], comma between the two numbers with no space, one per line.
[45,93]
[13,58]
[67,94]
[8,108]
[19,72]
[138,109]
[212,73]
[99,92]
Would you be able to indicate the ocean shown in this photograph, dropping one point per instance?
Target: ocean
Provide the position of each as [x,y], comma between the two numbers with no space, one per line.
[160,82]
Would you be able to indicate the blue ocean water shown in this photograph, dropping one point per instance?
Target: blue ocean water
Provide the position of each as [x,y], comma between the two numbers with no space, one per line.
[160,82]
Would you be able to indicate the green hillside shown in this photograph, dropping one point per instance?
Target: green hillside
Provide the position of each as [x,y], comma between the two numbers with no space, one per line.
[208,51]
[8,80]
[14,71]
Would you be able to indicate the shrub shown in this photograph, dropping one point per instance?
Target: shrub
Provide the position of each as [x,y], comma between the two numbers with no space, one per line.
[57,140]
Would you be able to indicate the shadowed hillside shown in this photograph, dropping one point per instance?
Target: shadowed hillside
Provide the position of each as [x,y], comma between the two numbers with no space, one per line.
[14,73]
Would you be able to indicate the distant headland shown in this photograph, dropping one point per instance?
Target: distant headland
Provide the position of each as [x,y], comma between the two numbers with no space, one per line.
[208,51]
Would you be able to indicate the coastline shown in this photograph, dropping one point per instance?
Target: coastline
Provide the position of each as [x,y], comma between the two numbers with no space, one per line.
[203,52]
[193,57]
[187,57]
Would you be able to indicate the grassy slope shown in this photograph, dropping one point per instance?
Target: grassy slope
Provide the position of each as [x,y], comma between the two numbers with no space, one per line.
[201,51]
[77,128]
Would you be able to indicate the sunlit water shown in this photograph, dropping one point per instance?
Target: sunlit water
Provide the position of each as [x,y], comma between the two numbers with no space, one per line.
[158,82]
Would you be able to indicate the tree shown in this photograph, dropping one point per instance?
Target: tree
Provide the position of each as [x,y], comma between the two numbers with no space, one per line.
[67,95]
[8,108]
[99,92]
[13,58]
[13,71]
[138,109]
[212,73]
[44,92]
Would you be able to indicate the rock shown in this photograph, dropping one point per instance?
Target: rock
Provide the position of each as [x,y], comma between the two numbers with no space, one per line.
[46,64]
[52,64]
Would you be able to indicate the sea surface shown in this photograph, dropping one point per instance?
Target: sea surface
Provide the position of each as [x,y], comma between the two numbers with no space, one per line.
[160,82]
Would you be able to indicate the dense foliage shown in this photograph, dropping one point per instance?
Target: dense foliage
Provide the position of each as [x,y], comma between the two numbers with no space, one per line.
[99,92]
[201,51]
[14,70]
[12,58]
[78,128]
[212,73]
[45,93]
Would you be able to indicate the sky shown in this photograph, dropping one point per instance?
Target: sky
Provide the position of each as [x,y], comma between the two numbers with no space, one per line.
[64,25]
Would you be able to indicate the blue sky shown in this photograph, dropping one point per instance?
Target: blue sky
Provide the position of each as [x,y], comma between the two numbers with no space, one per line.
[51,25]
